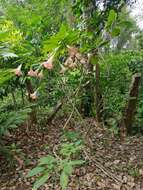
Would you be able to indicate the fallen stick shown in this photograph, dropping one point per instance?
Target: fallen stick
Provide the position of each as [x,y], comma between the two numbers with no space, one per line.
[103,169]
[68,120]
[55,111]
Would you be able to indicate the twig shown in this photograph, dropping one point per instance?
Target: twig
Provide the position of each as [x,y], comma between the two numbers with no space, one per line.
[54,151]
[55,111]
[103,169]
[20,162]
[67,121]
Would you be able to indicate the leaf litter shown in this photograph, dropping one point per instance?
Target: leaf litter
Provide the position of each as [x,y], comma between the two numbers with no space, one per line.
[111,164]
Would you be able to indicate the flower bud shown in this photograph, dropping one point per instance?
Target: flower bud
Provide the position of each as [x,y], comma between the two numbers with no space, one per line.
[63,70]
[79,56]
[34,95]
[72,65]
[32,73]
[40,75]
[49,63]
[72,51]
[18,71]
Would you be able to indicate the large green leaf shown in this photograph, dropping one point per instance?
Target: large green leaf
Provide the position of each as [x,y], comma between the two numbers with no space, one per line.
[8,54]
[64,179]
[41,181]
[35,171]
[68,169]
[47,160]
[77,162]
[115,32]
[111,18]
[62,38]
[3,35]
[5,75]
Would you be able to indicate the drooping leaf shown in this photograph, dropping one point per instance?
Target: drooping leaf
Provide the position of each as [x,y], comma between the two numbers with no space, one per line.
[8,54]
[41,181]
[35,171]
[64,37]
[68,169]
[111,18]
[47,160]
[64,179]
[115,32]
[77,162]
[5,75]
[3,35]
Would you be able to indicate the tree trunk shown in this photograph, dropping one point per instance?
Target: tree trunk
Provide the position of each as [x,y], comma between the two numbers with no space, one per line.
[22,97]
[29,89]
[55,111]
[99,100]
[88,90]
[14,99]
[33,118]
[130,109]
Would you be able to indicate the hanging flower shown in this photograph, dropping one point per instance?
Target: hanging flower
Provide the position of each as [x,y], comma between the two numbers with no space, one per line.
[78,56]
[63,69]
[68,61]
[32,73]
[72,65]
[72,51]
[40,75]
[49,63]
[83,61]
[18,71]
[34,95]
